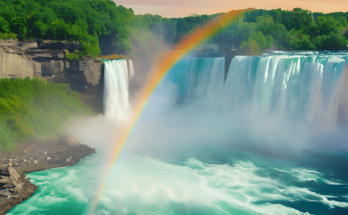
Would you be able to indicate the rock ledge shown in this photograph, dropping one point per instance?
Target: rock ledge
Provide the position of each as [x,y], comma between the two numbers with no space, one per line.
[14,189]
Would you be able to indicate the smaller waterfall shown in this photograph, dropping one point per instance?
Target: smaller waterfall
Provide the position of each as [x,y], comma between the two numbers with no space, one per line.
[116,101]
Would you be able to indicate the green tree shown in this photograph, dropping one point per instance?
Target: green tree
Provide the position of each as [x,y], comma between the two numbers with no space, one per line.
[250,47]
[4,25]
[330,42]
[263,42]
[298,40]
[276,30]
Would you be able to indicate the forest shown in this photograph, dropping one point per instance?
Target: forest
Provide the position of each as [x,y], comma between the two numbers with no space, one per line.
[261,30]
[35,109]
[92,22]
[73,20]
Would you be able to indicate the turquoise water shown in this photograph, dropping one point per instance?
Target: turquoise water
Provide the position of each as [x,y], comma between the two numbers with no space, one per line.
[213,181]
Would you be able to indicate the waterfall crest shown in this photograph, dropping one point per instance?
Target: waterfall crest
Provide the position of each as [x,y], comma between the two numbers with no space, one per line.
[116,100]
[300,86]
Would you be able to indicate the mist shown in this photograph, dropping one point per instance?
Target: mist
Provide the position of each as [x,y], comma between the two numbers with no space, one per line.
[167,129]
[171,125]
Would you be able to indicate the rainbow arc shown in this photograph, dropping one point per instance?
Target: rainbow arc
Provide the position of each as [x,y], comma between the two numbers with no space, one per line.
[156,76]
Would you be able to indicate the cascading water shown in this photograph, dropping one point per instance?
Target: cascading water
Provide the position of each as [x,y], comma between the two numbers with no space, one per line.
[300,86]
[297,85]
[131,69]
[116,101]
[199,78]
[125,71]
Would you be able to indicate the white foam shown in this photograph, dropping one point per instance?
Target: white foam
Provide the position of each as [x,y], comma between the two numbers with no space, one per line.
[145,185]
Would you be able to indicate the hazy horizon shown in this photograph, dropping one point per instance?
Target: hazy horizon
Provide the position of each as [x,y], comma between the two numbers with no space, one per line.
[181,8]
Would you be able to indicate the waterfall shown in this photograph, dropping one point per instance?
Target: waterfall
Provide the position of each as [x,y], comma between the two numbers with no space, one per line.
[116,101]
[125,70]
[199,78]
[297,85]
[300,85]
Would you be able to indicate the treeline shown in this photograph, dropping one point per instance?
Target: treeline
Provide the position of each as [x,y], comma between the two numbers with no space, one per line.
[94,21]
[261,30]
[73,20]
[172,30]
[34,109]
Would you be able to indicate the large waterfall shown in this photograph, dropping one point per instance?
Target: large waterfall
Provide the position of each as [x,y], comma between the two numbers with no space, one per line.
[116,101]
[302,86]
[199,78]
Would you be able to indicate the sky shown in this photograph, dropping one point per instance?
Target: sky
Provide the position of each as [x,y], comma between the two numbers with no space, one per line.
[180,8]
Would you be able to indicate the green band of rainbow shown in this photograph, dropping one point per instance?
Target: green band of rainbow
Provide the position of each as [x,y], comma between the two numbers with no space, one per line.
[161,69]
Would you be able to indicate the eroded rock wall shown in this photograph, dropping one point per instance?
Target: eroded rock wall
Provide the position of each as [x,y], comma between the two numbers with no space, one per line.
[41,59]
[18,66]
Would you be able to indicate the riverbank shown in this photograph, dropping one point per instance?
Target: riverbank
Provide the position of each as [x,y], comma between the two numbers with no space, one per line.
[34,156]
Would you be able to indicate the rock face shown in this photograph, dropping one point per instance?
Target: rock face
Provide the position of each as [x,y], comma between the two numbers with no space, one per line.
[13,65]
[83,75]
[48,59]
[14,189]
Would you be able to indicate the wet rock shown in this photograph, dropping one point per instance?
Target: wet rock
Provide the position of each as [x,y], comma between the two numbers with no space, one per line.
[14,189]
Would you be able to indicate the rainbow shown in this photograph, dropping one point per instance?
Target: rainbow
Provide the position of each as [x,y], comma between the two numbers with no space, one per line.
[160,70]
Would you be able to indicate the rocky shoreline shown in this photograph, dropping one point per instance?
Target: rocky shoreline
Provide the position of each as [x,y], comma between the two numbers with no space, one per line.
[14,189]
[34,156]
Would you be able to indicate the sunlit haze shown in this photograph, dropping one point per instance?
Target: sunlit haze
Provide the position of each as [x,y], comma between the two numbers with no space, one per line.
[180,8]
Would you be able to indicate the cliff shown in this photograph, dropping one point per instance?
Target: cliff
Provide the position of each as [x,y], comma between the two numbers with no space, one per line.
[15,64]
[48,60]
